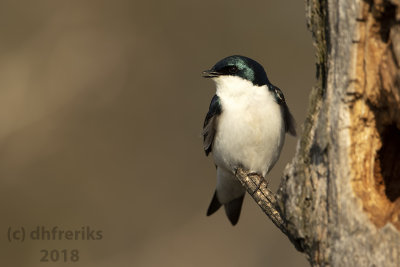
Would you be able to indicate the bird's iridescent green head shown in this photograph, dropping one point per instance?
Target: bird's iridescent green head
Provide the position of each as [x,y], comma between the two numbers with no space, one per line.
[240,66]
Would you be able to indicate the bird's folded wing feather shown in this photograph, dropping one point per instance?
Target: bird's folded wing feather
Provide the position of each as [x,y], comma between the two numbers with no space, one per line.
[210,127]
[290,125]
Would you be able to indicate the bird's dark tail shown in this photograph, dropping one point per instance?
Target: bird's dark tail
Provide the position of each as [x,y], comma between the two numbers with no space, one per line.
[214,205]
[233,208]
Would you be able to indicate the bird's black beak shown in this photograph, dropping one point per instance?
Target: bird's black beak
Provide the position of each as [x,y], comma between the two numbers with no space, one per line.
[210,74]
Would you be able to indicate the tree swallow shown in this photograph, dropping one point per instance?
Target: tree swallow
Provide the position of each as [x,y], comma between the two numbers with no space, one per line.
[244,127]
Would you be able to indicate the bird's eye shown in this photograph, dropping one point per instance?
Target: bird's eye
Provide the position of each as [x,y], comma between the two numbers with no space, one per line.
[233,69]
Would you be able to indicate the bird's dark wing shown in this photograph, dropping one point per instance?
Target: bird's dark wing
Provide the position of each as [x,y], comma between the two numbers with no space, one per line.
[290,125]
[210,127]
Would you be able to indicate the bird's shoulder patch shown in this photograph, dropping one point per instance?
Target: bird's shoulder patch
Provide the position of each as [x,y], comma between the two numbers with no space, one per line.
[279,97]
[209,126]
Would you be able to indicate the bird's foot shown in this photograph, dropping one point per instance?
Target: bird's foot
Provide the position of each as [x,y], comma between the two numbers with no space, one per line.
[259,184]
[236,168]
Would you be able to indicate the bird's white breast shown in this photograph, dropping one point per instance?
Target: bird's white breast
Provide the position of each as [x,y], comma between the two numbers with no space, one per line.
[250,129]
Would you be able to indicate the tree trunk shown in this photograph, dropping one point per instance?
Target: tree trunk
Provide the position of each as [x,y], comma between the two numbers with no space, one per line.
[339,199]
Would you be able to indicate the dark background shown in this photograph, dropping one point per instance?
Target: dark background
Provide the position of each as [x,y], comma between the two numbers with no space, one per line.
[101,110]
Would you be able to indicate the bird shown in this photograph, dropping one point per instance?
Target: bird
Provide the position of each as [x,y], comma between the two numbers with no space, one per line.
[245,127]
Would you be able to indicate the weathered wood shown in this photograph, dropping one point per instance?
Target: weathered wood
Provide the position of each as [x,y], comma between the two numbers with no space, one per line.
[339,198]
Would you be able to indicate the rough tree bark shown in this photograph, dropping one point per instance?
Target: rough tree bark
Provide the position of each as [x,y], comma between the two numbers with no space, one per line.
[339,198]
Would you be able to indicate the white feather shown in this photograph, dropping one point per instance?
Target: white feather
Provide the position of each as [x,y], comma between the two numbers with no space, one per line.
[250,130]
